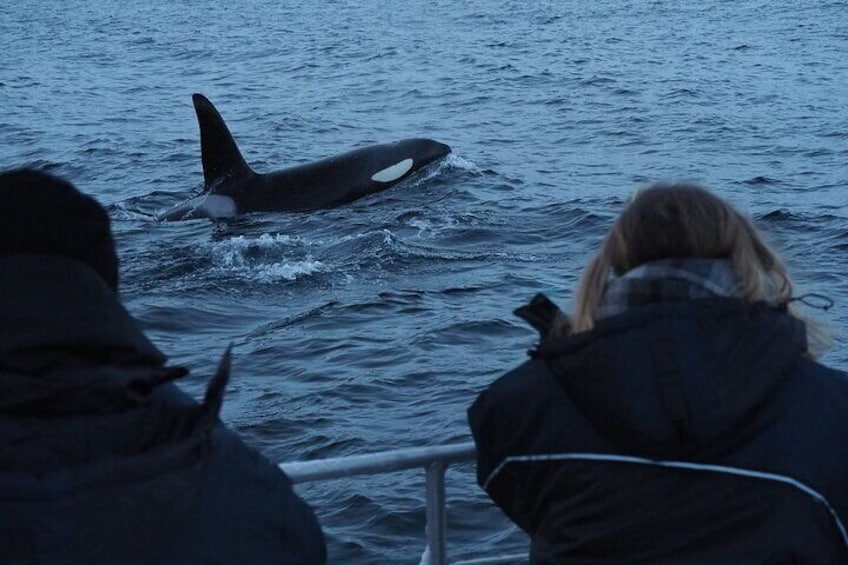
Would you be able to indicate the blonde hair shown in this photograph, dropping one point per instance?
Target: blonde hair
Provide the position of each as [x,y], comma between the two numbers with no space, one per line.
[669,221]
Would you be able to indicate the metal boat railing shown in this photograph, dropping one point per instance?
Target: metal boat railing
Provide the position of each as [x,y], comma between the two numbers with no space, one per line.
[433,459]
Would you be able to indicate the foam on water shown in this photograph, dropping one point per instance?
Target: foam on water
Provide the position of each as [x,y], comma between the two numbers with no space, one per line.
[264,259]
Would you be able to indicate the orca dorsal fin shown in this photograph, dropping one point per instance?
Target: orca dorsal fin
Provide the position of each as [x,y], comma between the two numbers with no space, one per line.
[221,156]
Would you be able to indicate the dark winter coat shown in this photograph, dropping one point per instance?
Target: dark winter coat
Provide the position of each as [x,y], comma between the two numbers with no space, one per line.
[103,460]
[691,432]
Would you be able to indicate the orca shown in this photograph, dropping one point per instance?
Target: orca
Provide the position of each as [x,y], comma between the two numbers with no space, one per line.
[231,187]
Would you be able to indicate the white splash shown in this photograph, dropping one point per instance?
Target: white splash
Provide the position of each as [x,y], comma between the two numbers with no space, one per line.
[456,162]
[267,258]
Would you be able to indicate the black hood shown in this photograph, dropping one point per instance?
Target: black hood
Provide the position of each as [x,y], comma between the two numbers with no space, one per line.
[672,377]
[63,332]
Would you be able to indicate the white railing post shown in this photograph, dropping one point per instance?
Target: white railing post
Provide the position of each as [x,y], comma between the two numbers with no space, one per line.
[434,459]
[436,515]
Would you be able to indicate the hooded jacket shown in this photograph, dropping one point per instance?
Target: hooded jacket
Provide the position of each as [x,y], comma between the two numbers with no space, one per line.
[687,432]
[103,460]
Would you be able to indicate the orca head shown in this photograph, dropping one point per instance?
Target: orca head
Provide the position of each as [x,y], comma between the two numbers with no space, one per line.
[429,150]
[414,154]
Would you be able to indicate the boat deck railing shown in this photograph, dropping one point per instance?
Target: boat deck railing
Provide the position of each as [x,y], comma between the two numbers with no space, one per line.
[433,459]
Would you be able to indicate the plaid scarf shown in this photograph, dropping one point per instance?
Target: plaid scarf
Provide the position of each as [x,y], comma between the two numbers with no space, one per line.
[668,280]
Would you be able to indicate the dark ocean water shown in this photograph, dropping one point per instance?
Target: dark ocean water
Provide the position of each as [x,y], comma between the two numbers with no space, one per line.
[373,326]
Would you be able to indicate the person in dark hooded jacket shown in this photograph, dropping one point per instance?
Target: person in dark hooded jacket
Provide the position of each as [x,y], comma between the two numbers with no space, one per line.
[102,458]
[680,415]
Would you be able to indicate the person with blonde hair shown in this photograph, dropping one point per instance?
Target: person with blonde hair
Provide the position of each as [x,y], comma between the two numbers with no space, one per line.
[679,415]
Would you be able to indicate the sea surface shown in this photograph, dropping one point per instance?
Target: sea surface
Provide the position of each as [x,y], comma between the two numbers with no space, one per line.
[374,325]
